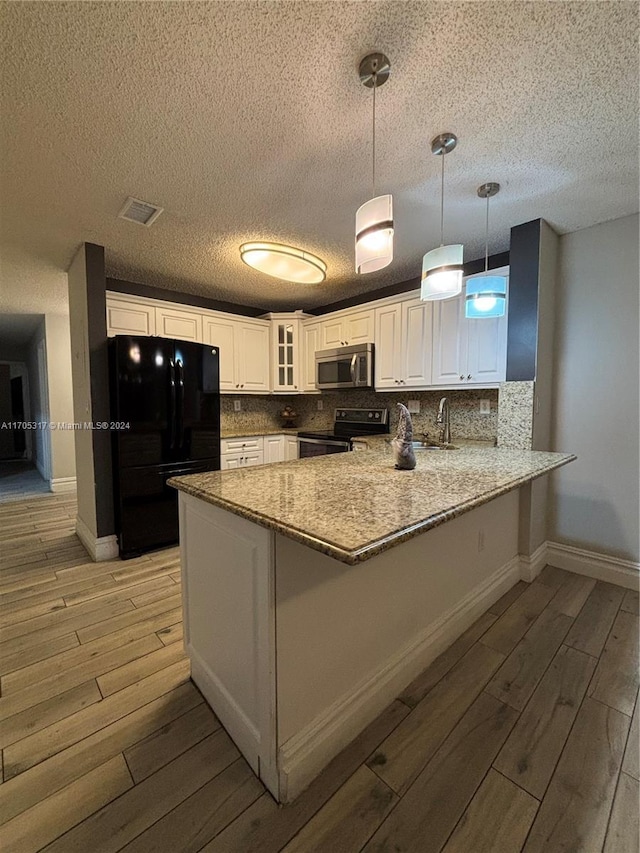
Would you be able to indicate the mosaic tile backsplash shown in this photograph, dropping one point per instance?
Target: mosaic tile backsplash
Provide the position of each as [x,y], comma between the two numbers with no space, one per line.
[261,414]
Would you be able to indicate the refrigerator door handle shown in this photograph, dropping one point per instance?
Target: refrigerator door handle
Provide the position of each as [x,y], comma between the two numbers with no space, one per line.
[180,406]
[173,412]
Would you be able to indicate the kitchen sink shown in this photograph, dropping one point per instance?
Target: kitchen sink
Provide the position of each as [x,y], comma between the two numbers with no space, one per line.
[421,445]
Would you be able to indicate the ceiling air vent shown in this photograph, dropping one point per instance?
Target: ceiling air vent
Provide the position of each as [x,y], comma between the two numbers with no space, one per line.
[135,210]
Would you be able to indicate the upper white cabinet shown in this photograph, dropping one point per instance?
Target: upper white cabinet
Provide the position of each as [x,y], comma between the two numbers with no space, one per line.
[346,329]
[179,323]
[310,344]
[286,352]
[467,352]
[403,345]
[222,333]
[128,317]
[244,353]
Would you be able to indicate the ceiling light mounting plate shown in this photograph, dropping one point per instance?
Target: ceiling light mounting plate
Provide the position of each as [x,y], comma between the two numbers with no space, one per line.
[444,143]
[374,70]
[488,190]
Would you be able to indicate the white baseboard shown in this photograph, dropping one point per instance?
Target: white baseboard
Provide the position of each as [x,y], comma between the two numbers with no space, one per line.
[530,567]
[63,484]
[99,548]
[304,755]
[602,567]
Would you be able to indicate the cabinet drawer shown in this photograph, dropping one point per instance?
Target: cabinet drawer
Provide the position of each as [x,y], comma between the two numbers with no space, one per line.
[238,445]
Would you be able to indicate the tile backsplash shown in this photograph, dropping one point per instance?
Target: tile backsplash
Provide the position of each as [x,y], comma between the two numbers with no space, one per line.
[262,413]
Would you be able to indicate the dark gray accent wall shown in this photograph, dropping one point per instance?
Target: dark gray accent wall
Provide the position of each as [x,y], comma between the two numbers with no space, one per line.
[136,289]
[470,268]
[524,268]
[99,381]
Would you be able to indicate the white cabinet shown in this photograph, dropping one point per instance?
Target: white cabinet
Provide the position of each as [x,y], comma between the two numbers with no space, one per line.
[179,323]
[310,344]
[241,452]
[237,460]
[467,352]
[128,317]
[286,352]
[273,448]
[257,450]
[244,353]
[403,345]
[347,329]
[291,448]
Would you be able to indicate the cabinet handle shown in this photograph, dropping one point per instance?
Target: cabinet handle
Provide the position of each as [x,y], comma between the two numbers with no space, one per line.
[242,386]
[461,378]
[468,376]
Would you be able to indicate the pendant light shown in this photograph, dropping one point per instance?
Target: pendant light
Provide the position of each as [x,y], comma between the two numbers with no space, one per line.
[442,267]
[374,219]
[486,294]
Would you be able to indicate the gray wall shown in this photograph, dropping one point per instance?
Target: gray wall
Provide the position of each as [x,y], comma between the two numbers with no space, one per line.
[594,501]
[38,405]
[82,390]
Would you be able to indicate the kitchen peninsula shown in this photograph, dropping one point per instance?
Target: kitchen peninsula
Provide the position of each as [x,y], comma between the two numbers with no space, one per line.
[316,590]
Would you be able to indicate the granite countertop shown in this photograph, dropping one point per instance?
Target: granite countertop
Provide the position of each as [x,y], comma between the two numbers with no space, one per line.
[353,506]
[236,433]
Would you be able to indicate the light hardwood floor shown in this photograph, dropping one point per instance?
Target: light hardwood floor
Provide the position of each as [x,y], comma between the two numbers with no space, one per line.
[523,735]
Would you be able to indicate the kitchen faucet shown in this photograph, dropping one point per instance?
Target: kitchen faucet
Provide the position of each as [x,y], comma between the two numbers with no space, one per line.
[443,421]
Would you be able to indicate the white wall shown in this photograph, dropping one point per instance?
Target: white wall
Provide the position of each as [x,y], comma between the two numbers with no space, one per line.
[594,502]
[63,461]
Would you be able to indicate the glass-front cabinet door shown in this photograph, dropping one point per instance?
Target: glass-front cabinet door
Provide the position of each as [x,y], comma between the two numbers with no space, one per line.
[286,353]
[285,356]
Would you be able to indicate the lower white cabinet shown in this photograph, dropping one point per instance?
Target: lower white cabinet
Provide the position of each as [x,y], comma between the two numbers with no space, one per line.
[237,460]
[273,448]
[244,451]
[291,447]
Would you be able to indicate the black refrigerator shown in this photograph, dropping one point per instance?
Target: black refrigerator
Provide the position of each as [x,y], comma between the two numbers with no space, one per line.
[165,402]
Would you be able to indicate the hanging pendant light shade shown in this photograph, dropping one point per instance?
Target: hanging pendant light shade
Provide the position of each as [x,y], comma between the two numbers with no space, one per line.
[374,219]
[486,294]
[442,267]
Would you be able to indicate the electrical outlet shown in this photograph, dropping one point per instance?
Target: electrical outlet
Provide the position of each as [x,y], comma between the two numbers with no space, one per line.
[413,406]
[485,407]
[319,405]
[480,540]
[237,405]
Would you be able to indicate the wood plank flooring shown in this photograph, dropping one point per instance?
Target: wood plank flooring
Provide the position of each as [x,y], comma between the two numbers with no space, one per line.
[522,736]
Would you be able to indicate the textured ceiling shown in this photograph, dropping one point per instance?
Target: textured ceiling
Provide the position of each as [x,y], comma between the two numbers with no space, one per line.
[246,120]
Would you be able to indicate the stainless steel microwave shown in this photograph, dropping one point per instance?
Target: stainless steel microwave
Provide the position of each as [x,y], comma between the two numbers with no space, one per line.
[345,367]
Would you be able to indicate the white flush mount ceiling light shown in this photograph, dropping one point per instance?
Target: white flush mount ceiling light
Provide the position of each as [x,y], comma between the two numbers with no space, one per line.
[442,267]
[284,262]
[374,219]
[486,294]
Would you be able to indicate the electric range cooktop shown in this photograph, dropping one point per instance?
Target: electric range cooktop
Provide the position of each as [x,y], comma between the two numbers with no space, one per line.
[350,423]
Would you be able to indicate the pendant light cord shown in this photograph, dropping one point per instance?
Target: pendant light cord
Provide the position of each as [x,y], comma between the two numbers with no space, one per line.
[375,86]
[442,154]
[486,239]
